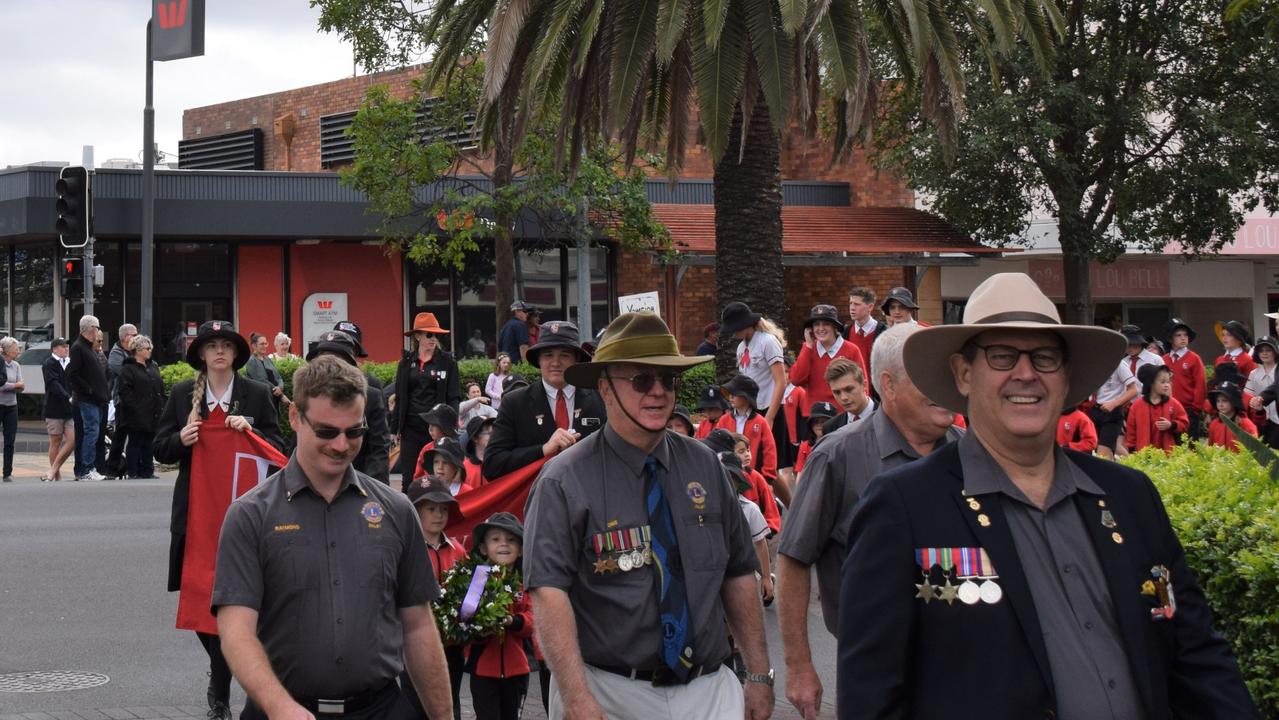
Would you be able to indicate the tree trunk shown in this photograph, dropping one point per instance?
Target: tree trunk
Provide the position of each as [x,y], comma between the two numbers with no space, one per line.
[504,241]
[1073,236]
[748,226]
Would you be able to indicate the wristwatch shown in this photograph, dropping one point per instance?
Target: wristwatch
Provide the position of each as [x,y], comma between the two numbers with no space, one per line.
[761,678]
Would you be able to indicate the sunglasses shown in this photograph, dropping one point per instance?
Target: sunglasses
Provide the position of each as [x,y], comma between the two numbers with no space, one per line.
[326,432]
[643,382]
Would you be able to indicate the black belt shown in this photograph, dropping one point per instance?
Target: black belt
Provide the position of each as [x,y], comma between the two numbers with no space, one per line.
[342,706]
[663,676]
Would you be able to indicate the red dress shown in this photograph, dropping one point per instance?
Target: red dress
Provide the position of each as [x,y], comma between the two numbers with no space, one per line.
[809,372]
[760,435]
[1141,431]
[1075,430]
[1219,434]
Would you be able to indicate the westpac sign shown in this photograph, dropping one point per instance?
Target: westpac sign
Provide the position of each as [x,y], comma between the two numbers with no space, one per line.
[177,29]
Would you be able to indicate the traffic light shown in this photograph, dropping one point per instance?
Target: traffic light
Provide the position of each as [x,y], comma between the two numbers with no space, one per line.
[73,278]
[75,209]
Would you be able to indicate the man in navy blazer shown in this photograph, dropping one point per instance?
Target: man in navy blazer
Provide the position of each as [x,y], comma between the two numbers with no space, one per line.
[1003,577]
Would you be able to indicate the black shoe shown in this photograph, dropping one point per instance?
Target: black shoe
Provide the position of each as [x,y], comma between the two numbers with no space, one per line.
[219,711]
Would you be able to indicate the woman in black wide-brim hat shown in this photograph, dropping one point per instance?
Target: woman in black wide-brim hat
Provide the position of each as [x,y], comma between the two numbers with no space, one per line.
[216,395]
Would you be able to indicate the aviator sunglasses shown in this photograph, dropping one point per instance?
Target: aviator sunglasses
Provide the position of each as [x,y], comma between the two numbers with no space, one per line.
[327,432]
[643,382]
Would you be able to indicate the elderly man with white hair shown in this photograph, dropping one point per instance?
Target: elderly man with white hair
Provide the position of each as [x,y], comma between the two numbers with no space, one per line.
[908,427]
[89,390]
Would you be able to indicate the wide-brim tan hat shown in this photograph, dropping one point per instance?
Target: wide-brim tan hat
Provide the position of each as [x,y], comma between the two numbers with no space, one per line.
[1010,301]
[641,338]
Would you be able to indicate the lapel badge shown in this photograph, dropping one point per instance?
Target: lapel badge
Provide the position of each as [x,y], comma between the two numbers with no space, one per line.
[577,412]
[973,504]
[983,520]
[1148,588]
[1101,503]
[697,494]
[1119,539]
[539,419]
[1108,520]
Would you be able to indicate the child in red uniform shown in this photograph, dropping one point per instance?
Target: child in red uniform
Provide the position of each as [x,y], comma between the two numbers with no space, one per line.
[1155,418]
[746,419]
[711,402]
[498,666]
[1189,380]
[760,493]
[447,461]
[680,421]
[817,416]
[823,343]
[434,504]
[1228,397]
[1237,340]
[478,432]
[1075,430]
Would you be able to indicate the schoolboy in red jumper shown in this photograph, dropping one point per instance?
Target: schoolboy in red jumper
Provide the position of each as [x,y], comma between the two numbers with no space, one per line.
[1076,431]
[711,402]
[1189,380]
[760,493]
[1228,397]
[499,667]
[1155,418]
[746,419]
[820,413]
[435,505]
[1237,340]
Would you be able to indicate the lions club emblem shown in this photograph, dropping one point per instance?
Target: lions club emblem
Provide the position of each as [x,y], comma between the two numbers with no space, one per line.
[373,512]
[697,494]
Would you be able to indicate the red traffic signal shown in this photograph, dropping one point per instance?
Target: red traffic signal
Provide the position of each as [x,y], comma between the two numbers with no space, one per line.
[75,212]
[72,277]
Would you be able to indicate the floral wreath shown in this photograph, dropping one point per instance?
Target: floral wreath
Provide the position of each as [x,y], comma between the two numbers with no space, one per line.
[476,599]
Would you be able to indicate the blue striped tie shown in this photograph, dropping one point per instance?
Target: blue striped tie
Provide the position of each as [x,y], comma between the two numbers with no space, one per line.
[672,596]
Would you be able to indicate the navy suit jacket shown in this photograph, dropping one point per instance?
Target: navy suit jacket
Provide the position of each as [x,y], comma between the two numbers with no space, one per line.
[525,422]
[902,658]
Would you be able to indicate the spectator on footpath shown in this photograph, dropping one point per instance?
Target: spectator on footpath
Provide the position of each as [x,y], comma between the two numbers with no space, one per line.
[514,337]
[906,427]
[116,360]
[283,645]
[426,376]
[475,346]
[551,414]
[1058,577]
[493,386]
[1075,431]
[710,340]
[58,410]
[262,368]
[1189,381]
[88,381]
[282,344]
[10,348]
[217,394]
[141,402]
[635,630]
[534,326]
[476,404]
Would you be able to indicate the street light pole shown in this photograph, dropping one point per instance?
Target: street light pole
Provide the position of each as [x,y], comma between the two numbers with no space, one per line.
[148,199]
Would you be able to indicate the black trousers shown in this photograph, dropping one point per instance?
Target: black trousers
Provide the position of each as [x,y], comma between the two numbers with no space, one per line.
[457,665]
[498,698]
[544,682]
[219,671]
[390,705]
[413,437]
[9,418]
[138,460]
[116,459]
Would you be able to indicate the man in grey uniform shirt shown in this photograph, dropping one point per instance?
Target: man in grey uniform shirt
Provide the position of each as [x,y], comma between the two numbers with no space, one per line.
[322,581]
[637,553]
[907,427]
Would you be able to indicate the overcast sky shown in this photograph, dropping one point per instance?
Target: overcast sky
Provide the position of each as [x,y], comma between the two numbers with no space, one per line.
[73,73]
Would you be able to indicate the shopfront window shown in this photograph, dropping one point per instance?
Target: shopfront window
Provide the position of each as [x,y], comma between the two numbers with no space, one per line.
[27,299]
[193,284]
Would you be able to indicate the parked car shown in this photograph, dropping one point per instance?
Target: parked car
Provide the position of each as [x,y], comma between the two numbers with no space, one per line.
[32,362]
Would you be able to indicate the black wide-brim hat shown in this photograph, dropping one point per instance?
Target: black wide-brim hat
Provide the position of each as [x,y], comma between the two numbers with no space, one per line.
[497,521]
[733,464]
[1133,335]
[1238,330]
[1267,340]
[741,386]
[1228,371]
[737,316]
[821,411]
[1175,324]
[474,427]
[334,342]
[901,295]
[432,488]
[442,416]
[356,334]
[557,334]
[710,398]
[1146,375]
[682,412]
[212,330]
[449,449]
[720,440]
[1231,391]
[824,313]
[511,383]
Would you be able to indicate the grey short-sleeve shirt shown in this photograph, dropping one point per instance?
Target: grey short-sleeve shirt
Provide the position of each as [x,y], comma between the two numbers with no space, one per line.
[834,478]
[597,486]
[327,579]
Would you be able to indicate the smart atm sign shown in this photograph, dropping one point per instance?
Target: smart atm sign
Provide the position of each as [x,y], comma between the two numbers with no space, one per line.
[177,29]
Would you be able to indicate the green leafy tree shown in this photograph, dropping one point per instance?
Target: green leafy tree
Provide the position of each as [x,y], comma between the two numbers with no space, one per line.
[1156,124]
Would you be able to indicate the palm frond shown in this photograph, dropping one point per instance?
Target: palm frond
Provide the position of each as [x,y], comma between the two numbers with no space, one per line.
[978,29]
[837,44]
[1036,30]
[1002,19]
[561,23]
[672,20]
[945,47]
[636,28]
[794,13]
[746,103]
[681,104]
[718,72]
[891,17]
[586,35]
[714,14]
[504,32]
[772,51]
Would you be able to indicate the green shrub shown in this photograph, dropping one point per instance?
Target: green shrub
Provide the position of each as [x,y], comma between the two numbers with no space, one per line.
[1225,509]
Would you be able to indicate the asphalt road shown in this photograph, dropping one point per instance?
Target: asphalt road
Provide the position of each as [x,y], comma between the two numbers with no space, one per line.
[82,578]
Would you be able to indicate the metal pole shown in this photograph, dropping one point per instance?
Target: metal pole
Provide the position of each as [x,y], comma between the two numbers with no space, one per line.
[89,277]
[148,200]
[583,273]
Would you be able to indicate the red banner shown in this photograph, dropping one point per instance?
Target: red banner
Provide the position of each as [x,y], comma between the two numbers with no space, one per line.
[505,494]
[225,464]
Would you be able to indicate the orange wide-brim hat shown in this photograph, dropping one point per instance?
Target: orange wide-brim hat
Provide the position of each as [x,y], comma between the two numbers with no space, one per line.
[426,322]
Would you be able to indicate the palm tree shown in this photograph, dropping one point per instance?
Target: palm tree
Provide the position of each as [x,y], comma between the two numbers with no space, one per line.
[633,70]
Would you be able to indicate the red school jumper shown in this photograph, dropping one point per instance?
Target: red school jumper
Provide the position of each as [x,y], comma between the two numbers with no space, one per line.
[763,447]
[1189,380]
[1141,431]
[809,372]
[1076,431]
[795,408]
[1219,434]
[761,494]
[1243,361]
[504,657]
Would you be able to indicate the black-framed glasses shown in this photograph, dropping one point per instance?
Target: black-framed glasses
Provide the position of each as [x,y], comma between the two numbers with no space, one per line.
[328,432]
[643,382]
[1006,357]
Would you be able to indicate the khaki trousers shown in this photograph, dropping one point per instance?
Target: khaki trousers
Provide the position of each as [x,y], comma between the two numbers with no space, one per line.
[718,696]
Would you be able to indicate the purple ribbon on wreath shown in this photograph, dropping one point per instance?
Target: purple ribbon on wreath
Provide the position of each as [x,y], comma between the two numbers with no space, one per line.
[471,602]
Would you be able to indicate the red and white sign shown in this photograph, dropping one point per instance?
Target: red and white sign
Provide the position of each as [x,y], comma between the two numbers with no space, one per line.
[320,312]
[1123,279]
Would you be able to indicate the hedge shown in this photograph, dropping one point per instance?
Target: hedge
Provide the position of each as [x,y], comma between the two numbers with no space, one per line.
[1225,508]
[469,369]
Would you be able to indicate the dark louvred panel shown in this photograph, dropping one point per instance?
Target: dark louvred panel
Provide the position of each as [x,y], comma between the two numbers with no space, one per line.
[336,147]
[233,151]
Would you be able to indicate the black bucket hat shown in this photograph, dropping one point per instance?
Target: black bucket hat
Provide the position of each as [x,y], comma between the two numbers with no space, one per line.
[557,334]
[1176,324]
[733,465]
[474,427]
[449,449]
[1238,330]
[1133,335]
[444,417]
[824,313]
[901,295]
[682,412]
[212,330]
[513,382]
[737,316]
[1227,372]
[1231,392]
[741,386]
[710,398]
[432,488]
[350,328]
[1269,341]
[1146,375]
[497,521]
[720,440]
[334,342]
[822,411]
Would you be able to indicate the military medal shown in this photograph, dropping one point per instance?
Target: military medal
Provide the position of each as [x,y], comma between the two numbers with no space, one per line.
[990,591]
[1108,520]
[624,562]
[1164,593]
[637,559]
[927,591]
[965,569]
[948,592]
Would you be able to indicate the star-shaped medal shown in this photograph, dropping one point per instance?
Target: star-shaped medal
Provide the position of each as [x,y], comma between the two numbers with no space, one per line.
[948,592]
[605,565]
[927,591]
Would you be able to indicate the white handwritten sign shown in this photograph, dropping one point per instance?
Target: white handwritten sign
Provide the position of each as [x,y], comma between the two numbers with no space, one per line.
[639,302]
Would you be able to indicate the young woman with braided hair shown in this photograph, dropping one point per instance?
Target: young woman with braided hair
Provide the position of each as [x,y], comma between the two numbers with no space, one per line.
[216,394]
